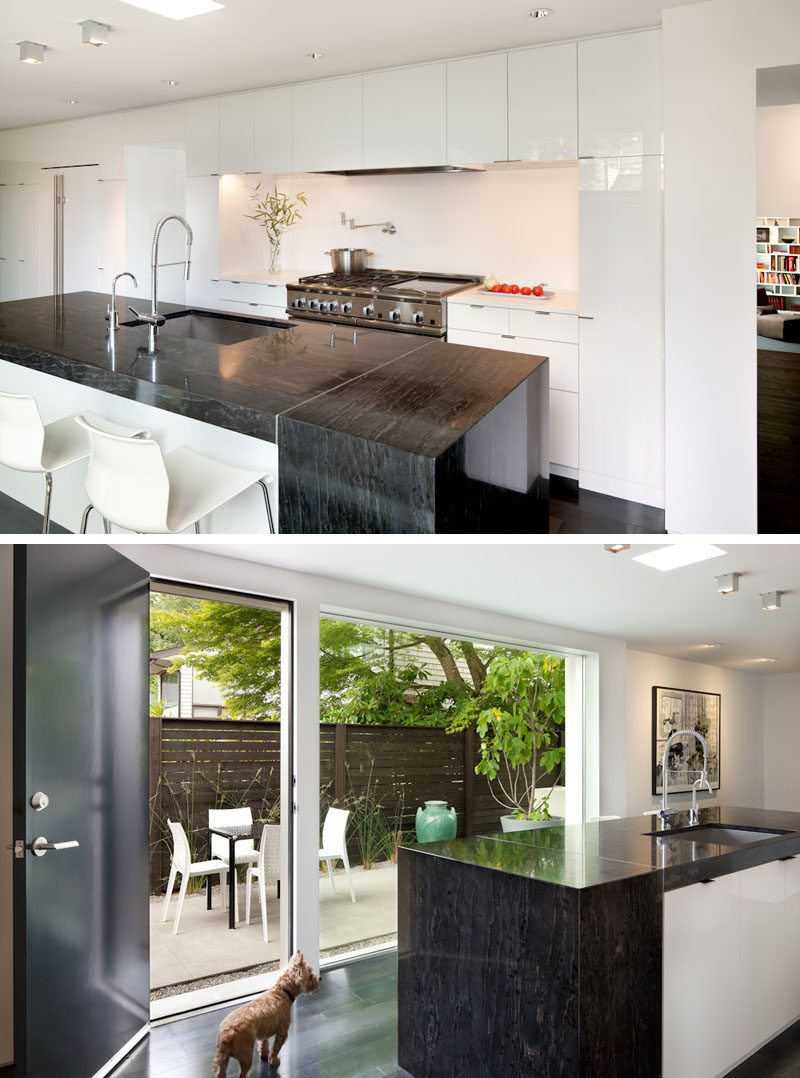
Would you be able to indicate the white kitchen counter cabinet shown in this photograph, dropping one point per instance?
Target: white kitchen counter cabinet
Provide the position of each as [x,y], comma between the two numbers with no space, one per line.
[327,125]
[405,117]
[764,955]
[793,934]
[202,137]
[477,109]
[543,103]
[620,95]
[272,119]
[236,145]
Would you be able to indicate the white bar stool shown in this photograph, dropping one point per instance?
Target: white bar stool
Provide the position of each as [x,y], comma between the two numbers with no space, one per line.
[133,484]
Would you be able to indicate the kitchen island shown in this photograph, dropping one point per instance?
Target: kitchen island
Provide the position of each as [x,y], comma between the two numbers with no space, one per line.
[375,432]
[611,948]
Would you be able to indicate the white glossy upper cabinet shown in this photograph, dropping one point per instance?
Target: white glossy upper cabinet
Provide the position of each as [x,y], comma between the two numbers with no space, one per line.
[621,335]
[620,95]
[405,117]
[202,137]
[236,133]
[327,125]
[477,109]
[202,212]
[272,115]
[543,103]
[111,236]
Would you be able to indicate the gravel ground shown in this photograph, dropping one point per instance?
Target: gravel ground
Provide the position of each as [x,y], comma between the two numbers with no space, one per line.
[265,967]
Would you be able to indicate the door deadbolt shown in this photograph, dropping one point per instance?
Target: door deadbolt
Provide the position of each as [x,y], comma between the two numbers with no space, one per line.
[39,801]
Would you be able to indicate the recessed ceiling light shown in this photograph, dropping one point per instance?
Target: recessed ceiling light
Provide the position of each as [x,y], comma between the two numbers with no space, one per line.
[176,9]
[171,82]
[764,660]
[71,101]
[315,55]
[616,548]
[540,12]
[728,583]
[94,33]
[771,600]
[707,646]
[679,554]
[31,52]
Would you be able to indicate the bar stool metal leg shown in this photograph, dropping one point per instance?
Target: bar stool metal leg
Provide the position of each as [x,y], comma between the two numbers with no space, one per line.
[263,486]
[48,493]
[85,517]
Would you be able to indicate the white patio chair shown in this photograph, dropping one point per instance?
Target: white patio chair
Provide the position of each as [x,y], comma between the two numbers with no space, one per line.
[334,845]
[267,870]
[182,862]
[132,484]
[246,852]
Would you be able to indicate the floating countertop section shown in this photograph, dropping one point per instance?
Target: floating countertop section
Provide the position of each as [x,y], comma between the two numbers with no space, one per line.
[560,303]
[396,389]
[595,853]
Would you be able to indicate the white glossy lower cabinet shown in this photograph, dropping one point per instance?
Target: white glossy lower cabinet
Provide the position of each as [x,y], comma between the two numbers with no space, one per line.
[254,310]
[731,957]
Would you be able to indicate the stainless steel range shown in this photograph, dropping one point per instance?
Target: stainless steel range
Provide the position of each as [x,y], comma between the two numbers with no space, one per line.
[378,299]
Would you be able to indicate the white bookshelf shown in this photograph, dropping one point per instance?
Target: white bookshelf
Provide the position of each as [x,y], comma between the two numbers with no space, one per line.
[778,258]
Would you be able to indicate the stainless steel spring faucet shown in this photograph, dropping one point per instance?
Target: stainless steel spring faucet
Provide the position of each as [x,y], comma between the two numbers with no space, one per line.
[154,319]
[664,812]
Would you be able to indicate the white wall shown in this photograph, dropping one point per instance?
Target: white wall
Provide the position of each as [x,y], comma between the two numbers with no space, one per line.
[519,224]
[741,728]
[6,861]
[778,148]
[711,53]
[310,593]
[155,186]
[782,742]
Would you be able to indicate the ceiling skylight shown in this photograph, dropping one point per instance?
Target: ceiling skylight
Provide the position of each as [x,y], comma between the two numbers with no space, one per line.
[176,9]
[679,554]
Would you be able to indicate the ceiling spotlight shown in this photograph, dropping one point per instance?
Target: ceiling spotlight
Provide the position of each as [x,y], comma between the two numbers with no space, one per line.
[30,52]
[540,12]
[616,548]
[315,55]
[706,647]
[765,660]
[171,82]
[727,583]
[94,33]
[71,101]
[771,600]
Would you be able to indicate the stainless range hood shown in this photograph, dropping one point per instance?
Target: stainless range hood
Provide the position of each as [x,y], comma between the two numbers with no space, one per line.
[400,171]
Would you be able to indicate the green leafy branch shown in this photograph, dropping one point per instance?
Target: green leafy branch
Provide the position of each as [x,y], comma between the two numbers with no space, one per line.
[275,211]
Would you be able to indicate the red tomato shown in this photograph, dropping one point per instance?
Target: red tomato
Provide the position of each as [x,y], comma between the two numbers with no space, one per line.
[497,288]
[515,288]
[537,290]
[525,291]
[505,288]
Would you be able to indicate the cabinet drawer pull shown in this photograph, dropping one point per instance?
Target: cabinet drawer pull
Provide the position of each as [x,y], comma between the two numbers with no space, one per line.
[272,285]
[476,306]
[586,317]
[252,304]
[586,157]
[791,857]
[508,336]
[707,881]
[546,313]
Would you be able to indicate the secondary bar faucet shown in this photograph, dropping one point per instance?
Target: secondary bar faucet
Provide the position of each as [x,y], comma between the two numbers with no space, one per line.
[664,813]
[111,310]
[154,319]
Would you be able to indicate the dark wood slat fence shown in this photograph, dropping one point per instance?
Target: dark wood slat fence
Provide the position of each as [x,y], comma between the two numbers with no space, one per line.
[198,764]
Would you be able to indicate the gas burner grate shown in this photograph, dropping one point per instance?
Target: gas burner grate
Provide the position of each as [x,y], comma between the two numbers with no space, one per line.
[374,279]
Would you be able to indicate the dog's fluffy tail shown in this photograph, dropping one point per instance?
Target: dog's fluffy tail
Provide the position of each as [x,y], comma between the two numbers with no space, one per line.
[221,1059]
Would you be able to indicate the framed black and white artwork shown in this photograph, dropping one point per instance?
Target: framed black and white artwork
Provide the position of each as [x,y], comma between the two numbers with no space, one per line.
[684,709]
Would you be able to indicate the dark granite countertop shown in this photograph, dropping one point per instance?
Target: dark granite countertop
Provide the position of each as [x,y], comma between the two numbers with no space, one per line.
[396,389]
[592,854]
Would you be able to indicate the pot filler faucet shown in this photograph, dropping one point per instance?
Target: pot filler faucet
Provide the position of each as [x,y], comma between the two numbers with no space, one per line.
[664,812]
[154,319]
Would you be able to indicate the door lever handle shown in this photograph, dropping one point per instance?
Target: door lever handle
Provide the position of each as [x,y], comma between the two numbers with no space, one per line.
[40,846]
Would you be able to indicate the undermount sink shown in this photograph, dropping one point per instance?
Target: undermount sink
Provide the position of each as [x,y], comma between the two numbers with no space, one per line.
[718,834]
[214,328]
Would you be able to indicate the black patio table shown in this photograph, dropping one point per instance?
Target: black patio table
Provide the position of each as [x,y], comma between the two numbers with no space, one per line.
[233,833]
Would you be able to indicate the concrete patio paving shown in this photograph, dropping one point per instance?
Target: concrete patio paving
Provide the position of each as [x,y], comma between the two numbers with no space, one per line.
[206,947]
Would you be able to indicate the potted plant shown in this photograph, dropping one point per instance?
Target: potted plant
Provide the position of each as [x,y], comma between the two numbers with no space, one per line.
[521,735]
[275,211]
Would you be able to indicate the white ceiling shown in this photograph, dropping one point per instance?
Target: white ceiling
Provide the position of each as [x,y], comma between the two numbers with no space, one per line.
[255,43]
[581,586]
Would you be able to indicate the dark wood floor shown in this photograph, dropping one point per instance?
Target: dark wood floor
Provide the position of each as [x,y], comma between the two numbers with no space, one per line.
[778,1059]
[778,442]
[346,1029]
[571,512]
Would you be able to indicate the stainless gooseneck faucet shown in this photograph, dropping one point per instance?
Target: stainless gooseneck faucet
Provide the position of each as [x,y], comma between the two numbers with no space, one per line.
[154,319]
[664,812]
[111,310]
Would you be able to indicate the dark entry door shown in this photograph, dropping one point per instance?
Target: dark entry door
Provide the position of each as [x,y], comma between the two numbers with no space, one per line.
[80,738]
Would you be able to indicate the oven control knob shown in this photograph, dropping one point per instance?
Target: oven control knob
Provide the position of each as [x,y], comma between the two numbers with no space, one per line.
[333,306]
[324,306]
[313,305]
[299,303]
[419,318]
[347,308]
[394,316]
[368,311]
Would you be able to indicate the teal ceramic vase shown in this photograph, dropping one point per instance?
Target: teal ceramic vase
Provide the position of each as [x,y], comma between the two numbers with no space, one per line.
[436,822]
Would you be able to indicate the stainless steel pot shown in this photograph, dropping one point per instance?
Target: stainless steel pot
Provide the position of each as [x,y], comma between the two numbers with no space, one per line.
[348,259]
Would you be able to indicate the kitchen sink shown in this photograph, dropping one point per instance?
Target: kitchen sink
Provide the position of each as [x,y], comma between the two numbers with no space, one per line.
[214,328]
[719,834]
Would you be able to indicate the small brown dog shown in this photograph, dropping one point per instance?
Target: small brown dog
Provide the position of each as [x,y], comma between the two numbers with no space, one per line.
[266,1016]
